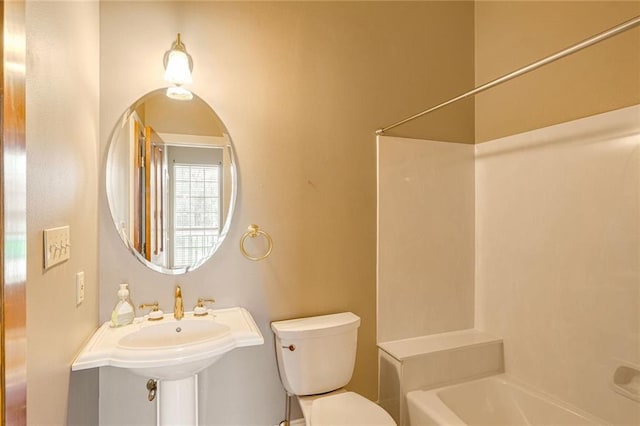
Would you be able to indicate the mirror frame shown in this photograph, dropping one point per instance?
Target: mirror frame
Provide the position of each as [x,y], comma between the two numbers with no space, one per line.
[122,120]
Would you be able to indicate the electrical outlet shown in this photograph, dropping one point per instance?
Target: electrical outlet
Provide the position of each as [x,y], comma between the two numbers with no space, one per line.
[79,287]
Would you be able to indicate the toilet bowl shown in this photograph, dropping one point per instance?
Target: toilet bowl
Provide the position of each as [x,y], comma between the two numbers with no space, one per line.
[343,408]
[316,356]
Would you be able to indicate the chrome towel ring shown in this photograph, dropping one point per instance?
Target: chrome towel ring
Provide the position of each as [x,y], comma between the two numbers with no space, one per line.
[253,232]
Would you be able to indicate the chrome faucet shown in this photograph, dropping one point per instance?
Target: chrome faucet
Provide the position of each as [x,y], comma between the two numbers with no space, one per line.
[178,308]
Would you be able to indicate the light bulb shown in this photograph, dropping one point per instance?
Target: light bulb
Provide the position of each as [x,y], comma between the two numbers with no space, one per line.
[177,70]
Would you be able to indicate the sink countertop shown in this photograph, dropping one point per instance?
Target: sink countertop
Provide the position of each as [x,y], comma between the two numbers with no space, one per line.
[103,348]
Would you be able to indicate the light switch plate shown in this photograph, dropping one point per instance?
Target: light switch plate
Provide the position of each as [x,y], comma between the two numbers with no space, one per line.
[57,246]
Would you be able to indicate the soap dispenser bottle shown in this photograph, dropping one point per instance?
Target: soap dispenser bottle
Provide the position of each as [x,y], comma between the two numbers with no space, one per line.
[124,312]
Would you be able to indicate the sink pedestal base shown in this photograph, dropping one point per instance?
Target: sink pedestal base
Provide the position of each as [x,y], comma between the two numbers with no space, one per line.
[178,402]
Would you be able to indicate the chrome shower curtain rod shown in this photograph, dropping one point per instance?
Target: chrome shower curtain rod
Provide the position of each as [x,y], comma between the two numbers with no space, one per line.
[552,58]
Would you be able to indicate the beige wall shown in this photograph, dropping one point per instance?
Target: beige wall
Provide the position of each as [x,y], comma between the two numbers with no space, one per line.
[166,115]
[512,34]
[62,182]
[426,199]
[558,256]
[301,87]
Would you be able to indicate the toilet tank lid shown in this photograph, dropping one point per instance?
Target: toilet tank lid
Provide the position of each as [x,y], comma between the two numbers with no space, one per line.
[316,326]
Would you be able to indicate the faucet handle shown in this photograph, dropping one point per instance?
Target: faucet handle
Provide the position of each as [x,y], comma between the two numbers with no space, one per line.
[155,314]
[200,309]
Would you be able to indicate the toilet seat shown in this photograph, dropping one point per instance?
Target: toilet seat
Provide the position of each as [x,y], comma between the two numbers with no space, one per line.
[348,409]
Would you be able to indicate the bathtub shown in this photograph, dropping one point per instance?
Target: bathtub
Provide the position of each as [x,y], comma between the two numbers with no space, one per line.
[491,401]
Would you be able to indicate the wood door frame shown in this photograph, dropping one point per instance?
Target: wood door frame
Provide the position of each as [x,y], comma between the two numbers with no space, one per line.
[13,215]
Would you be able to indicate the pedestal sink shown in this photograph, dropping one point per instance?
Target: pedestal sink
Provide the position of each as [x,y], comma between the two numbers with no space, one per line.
[172,352]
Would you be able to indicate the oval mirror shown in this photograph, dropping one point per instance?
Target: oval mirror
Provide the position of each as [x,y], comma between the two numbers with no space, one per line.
[171,181]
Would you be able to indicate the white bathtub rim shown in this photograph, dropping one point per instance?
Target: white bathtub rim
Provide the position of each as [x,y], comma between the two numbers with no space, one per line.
[430,402]
[442,414]
[525,387]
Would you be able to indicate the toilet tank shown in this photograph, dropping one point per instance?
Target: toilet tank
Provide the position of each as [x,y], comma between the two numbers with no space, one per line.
[316,354]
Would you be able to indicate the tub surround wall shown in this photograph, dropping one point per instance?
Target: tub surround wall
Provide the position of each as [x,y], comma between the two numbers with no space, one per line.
[557,212]
[62,83]
[558,256]
[557,260]
[425,237]
[426,199]
[431,361]
[301,87]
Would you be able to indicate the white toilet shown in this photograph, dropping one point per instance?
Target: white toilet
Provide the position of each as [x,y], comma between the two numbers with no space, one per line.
[316,356]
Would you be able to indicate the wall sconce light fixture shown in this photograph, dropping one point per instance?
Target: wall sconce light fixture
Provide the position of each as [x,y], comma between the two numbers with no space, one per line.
[177,70]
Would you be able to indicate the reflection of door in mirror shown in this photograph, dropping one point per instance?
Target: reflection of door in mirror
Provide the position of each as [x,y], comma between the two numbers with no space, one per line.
[155,220]
[142,189]
[158,202]
[147,212]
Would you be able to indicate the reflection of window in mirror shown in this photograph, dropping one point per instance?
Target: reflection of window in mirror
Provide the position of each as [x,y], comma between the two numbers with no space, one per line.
[195,182]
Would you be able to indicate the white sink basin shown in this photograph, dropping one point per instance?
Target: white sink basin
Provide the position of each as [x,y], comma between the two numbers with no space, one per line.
[173,334]
[170,349]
